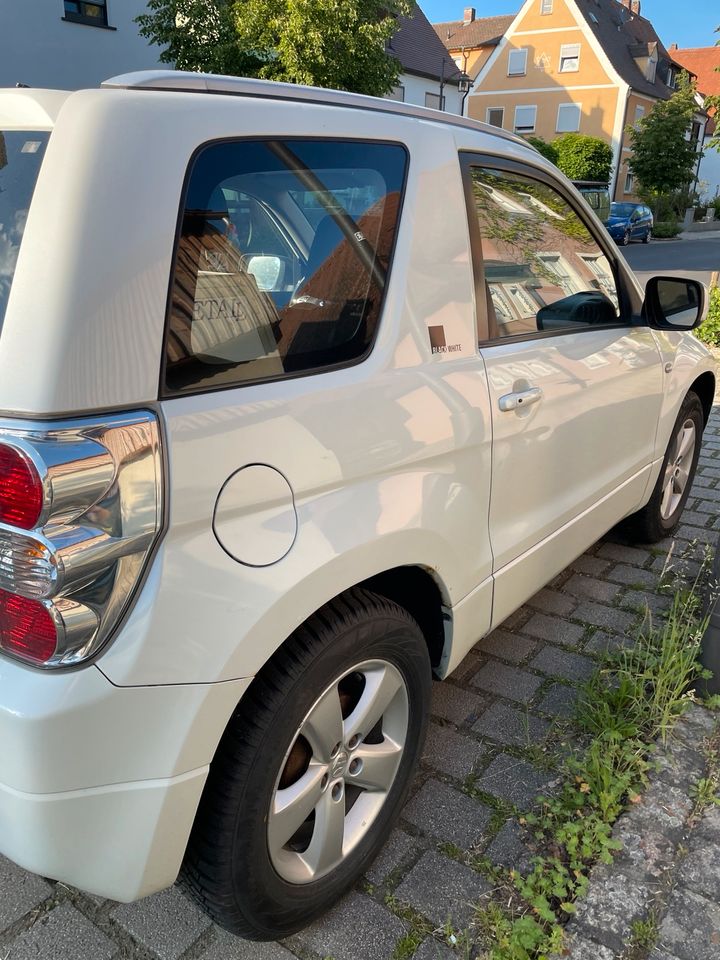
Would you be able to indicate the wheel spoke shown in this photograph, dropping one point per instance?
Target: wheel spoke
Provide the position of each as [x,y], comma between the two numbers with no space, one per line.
[381,686]
[326,846]
[683,475]
[378,765]
[665,508]
[323,728]
[293,805]
[686,443]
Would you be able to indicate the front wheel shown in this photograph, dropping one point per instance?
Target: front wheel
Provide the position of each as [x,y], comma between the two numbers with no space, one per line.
[660,517]
[313,769]
[646,238]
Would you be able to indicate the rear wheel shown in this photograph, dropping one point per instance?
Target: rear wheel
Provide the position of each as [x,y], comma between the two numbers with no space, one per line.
[313,769]
[661,515]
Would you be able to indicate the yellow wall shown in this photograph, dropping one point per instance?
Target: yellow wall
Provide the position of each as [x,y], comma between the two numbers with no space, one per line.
[598,109]
[472,61]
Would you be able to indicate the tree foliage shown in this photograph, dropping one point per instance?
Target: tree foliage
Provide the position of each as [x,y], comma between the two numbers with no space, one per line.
[546,149]
[663,156]
[714,103]
[581,157]
[325,43]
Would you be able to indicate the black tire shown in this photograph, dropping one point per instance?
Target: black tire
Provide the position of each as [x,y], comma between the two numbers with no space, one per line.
[625,242]
[646,238]
[648,524]
[228,867]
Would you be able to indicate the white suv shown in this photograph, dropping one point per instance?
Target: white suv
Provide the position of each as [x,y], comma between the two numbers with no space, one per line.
[302,394]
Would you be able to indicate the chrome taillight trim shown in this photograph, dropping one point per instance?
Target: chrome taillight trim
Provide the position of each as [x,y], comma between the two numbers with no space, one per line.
[103,513]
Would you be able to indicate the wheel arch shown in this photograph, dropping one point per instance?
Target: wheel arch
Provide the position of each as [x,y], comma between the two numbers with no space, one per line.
[704,387]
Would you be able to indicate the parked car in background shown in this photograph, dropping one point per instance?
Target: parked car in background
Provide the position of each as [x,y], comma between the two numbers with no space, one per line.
[630,221]
[300,398]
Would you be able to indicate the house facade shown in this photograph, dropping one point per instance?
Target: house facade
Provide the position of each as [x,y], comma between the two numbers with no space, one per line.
[566,66]
[470,41]
[704,62]
[428,72]
[69,44]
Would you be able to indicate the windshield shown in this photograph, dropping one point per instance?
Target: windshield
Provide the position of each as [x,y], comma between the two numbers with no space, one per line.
[621,209]
[21,154]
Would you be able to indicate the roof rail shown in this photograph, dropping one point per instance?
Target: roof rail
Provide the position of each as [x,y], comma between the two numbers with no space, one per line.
[186,82]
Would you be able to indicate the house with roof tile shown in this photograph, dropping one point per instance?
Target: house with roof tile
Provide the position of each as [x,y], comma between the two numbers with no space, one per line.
[704,62]
[429,76]
[470,41]
[587,66]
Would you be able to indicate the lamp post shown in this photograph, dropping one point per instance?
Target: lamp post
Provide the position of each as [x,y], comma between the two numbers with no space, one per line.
[464,84]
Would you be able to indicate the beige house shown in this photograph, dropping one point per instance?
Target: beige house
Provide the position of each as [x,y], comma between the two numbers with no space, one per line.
[470,41]
[588,66]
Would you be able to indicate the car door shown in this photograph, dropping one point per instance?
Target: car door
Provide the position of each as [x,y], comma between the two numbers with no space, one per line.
[575,385]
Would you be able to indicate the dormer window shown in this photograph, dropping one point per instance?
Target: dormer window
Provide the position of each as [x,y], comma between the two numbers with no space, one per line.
[651,67]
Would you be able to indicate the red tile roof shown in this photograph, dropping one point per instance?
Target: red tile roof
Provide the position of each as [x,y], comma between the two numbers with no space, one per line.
[484,31]
[704,62]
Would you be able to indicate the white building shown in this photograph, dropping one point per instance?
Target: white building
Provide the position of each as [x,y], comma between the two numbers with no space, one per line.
[424,60]
[68,44]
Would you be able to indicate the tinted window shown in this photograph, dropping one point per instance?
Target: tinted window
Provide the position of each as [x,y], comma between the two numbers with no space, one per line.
[21,154]
[543,269]
[282,260]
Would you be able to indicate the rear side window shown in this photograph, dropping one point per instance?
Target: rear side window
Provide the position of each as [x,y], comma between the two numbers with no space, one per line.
[282,260]
[21,154]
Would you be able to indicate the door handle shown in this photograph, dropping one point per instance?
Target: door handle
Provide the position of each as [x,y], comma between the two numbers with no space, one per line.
[523,398]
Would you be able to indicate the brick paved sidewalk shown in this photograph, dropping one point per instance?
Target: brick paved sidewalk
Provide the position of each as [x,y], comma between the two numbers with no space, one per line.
[496,734]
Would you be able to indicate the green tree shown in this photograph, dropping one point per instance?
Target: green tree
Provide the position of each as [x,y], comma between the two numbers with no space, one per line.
[714,103]
[546,149]
[663,156]
[581,157]
[324,43]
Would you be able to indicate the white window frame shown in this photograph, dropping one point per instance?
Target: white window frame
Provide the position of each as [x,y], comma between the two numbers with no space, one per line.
[525,106]
[546,7]
[566,55]
[440,100]
[397,93]
[495,109]
[629,183]
[639,114]
[515,53]
[572,129]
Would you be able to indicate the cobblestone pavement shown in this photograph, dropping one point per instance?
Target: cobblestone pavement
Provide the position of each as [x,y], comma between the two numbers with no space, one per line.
[497,729]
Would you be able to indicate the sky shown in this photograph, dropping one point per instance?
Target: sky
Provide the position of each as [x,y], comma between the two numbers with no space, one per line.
[690,24]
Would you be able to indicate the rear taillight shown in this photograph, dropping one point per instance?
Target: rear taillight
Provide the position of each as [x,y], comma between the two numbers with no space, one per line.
[21,489]
[80,511]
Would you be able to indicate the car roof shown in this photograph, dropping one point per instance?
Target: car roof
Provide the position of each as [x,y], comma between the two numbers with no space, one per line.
[179,81]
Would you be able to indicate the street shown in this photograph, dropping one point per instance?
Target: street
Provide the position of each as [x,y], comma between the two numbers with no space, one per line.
[693,258]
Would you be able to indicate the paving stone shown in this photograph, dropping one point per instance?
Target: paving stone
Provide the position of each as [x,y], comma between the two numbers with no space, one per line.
[516,619]
[700,870]
[513,780]
[709,506]
[166,923]
[431,949]
[624,554]
[20,891]
[454,704]
[578,948]
[559,701]
[450,752]
[592,588]
[358,928]
[398,848]
[709,827]
[550,601]
[633,576]
[562,663]
[642,604]
[226,946]
[662,955]
[62,934]
[602,643]
[699,534]
[608,617]
[442,889]
[703,482]
[553,629]
[679,764]
[662,807]
[510,682]
[444,812]
[691,927]
[614,902]
[510,726]
[592,566]
[646,851]
[506,645]
[508,848]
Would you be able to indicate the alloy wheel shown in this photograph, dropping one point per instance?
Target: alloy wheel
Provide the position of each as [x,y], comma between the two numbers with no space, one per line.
[338,771]
[677,470]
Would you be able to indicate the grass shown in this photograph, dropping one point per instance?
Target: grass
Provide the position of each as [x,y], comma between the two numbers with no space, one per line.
[634,699]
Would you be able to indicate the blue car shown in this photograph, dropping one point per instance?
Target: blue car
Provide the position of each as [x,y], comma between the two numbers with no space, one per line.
[630,221]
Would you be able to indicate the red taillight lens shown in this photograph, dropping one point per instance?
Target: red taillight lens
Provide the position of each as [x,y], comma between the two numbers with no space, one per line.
[26,628]
[21,490]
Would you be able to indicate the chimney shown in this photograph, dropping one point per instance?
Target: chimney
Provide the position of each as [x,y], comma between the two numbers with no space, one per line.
[468,14]
[673,46]
[635,7]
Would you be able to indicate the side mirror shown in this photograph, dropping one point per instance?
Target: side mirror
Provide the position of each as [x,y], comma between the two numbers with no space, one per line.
[267,270]
[674,303]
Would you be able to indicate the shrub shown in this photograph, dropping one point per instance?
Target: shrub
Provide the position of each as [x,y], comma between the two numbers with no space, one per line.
[546,149]
[583,158]
[666,229]
[709,331]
